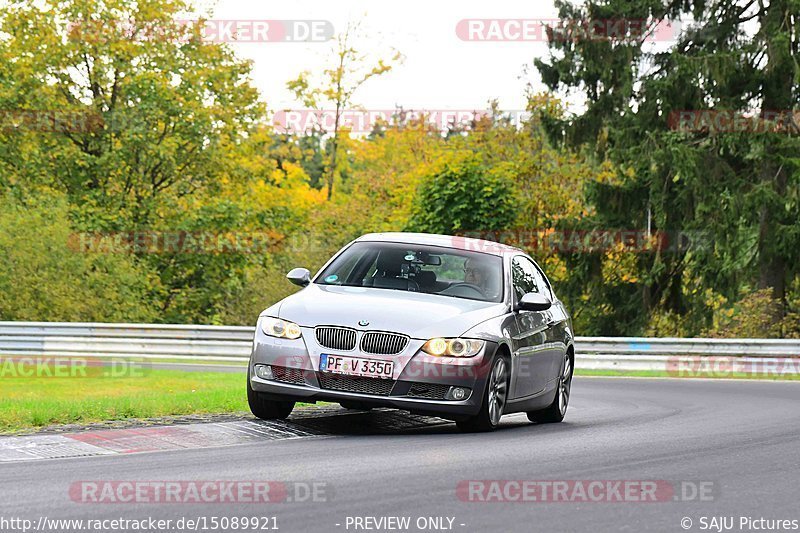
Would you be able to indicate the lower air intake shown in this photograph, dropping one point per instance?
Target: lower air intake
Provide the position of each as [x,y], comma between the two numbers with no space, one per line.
[288,375]
[378,387]
[428,391]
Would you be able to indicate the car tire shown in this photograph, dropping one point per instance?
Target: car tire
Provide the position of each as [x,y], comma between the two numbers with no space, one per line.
[494,400]
[266,409]
[555,412]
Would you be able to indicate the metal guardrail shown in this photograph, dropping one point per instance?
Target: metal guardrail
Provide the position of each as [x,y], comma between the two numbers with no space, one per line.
[692,346]
[690,357]
[142,341]
[232,344]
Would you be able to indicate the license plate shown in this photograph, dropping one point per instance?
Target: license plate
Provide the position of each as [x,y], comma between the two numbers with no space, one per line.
[356,366]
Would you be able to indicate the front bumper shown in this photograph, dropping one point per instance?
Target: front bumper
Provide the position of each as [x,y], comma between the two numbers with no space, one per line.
[443,408]
[420,383]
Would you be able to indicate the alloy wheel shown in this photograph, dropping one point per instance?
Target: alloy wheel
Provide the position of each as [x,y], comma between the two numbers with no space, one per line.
[497,391]
[564,385]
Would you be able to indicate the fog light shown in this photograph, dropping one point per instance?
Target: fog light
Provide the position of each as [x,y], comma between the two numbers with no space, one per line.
[263,371]
[458,393]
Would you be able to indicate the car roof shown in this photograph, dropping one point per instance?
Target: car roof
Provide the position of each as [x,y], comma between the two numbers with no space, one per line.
[445,241]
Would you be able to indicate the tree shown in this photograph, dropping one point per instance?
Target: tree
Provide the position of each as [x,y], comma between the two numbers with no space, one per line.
[158,102]
[739,187]
[45,276]
[338,86]
[465,196]
[174,140]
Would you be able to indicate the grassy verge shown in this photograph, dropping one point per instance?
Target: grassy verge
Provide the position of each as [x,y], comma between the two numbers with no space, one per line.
[663,374]
[31,402]
[193,362]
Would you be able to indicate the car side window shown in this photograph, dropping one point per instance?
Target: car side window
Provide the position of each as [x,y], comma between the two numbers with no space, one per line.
[541,281]
[524,276]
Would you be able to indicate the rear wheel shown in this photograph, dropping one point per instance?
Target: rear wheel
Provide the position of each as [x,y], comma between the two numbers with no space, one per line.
[494,400]
[555,412]
[266,409]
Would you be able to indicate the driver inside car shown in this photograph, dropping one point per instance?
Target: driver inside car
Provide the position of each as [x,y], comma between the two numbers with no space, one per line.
[476,273]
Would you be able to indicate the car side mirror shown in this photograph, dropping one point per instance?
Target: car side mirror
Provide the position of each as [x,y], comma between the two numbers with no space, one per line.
[299,276]
[533,301]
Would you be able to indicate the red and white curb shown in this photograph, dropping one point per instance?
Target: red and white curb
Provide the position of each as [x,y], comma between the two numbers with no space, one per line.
[146,439]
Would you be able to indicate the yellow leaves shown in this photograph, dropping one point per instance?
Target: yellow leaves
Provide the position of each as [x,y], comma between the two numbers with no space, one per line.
[555,267]
[387,173]
[619,265]
[277,176]
[713,300]
[753,315]
[288,188]
[610,175]
[294,174]
[546,103]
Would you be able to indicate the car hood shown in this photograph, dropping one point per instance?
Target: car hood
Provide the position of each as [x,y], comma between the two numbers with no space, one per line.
[418,315]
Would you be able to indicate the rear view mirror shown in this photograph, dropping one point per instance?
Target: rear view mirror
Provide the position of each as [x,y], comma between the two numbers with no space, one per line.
[424,258]
[299,276]
[533,301]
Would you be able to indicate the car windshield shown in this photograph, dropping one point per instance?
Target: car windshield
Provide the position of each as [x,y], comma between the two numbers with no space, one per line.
[417,268]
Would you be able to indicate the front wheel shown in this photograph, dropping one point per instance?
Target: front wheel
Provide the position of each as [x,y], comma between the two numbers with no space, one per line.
[555,412]
[494,400]
[266,409]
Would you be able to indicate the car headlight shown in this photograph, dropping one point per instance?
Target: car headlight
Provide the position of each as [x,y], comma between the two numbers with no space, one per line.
[275,327]
[453,347]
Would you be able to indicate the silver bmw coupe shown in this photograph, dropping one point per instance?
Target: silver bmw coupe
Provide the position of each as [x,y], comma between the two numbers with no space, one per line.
[459,328]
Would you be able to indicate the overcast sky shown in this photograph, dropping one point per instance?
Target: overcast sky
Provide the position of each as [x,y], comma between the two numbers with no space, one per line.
[440,71]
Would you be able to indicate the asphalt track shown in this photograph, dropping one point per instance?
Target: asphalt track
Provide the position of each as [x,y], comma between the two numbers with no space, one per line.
[736,440]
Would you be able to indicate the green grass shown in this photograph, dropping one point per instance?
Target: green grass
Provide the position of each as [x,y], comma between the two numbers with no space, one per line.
[31,402]
[193,362]
[27,403]
[663,374]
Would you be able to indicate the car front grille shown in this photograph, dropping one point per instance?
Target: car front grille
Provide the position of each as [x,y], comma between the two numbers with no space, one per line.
[376,386]
[336,338]
[378,342]
[430,391]
[288,375]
